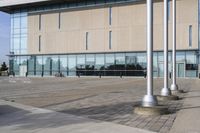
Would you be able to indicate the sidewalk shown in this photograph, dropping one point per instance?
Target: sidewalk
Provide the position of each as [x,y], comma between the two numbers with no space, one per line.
[18,118]
[188,118]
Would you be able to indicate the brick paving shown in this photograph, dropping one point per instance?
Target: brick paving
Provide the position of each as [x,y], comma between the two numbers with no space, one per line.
[106,99]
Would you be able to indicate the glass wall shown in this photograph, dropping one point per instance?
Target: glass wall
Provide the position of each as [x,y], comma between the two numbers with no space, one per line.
[31,65]
[18,43]
[72,65]
[63,65]
[191,64]
[90,64]
[108,64]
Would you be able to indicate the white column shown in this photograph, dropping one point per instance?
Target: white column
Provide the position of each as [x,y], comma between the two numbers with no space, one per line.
[149,100]
[165,91]
[174,86]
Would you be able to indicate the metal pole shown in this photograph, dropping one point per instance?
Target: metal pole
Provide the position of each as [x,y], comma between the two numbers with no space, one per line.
[165,91]
[149,100]
[174,86]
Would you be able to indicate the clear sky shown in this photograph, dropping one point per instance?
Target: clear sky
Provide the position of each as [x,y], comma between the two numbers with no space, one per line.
[4,36]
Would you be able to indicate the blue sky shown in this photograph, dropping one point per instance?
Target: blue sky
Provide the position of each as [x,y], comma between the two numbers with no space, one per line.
[4,36]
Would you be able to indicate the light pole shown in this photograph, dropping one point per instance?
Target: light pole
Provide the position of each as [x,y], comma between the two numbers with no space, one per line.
[149,100]
[174,86]
[165,91]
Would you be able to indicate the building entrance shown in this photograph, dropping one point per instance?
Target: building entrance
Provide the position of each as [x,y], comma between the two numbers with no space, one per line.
[180,69]
[22,70]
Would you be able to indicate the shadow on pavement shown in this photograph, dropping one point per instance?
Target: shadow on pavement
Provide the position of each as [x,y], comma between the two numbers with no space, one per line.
[104,112]
[12,118]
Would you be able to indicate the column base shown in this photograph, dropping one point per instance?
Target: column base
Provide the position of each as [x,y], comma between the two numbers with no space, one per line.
[167,98]
[151,111]
[149,101]
[165,92]
[174,87]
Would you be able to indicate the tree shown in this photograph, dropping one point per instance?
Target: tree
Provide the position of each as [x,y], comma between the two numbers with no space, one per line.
[4,67]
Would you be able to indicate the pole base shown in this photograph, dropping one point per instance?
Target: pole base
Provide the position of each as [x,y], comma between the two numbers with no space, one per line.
[174,87]
[151,111]
[165,92]
[167,98]
[149,101]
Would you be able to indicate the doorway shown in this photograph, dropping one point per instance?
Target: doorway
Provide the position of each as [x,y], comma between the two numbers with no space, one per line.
[22,70]
[180,69]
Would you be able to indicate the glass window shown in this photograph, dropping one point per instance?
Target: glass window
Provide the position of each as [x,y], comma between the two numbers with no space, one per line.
[40,21]
[120,61]
[110,39]
[109,64]
[16,43]
[24,32]
[86,42]
[80,64]
[39,43]
[59,20]
[16,14]
[80,61]
[16,63]
[16,31]
[72,65]
[131,61]
[110,61]
[160,57]
[110,15]
[180,56]
[31,65]
[141,61]
[23,22]
[23,60]
[155,64]
[63,63]
[16,22]
[47,65]
[191,57]
[90,64]
[190,36]
[23,43]
[55,63]
[120,64]
[39,65]
[100,60]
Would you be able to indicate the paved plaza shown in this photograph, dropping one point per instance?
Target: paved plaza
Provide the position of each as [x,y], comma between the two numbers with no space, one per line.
[104,100]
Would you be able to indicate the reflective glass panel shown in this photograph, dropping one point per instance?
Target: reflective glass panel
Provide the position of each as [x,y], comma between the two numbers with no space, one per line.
[100,60]
[180,56]
[191,57]
[39,64]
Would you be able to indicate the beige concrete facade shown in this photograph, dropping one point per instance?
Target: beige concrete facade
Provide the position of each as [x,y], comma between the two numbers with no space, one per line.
[128,29]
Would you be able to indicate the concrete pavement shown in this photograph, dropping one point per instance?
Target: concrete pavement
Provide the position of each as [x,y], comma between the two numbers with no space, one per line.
[18,118]
[188,118]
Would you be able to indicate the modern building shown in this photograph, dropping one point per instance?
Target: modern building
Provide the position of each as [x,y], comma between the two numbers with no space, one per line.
[97,37]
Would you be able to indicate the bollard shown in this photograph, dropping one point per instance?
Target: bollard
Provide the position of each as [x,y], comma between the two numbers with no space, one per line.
[199,75]
[170,75]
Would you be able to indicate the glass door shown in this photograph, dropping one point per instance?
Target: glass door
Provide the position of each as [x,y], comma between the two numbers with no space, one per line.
[180,69]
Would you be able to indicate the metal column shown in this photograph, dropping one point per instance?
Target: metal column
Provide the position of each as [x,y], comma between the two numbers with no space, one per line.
[149,100]
[165,91]
[174,86]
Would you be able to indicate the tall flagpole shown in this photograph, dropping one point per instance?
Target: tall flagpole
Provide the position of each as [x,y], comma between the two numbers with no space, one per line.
[174,86]
[149,100]
[165,91]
